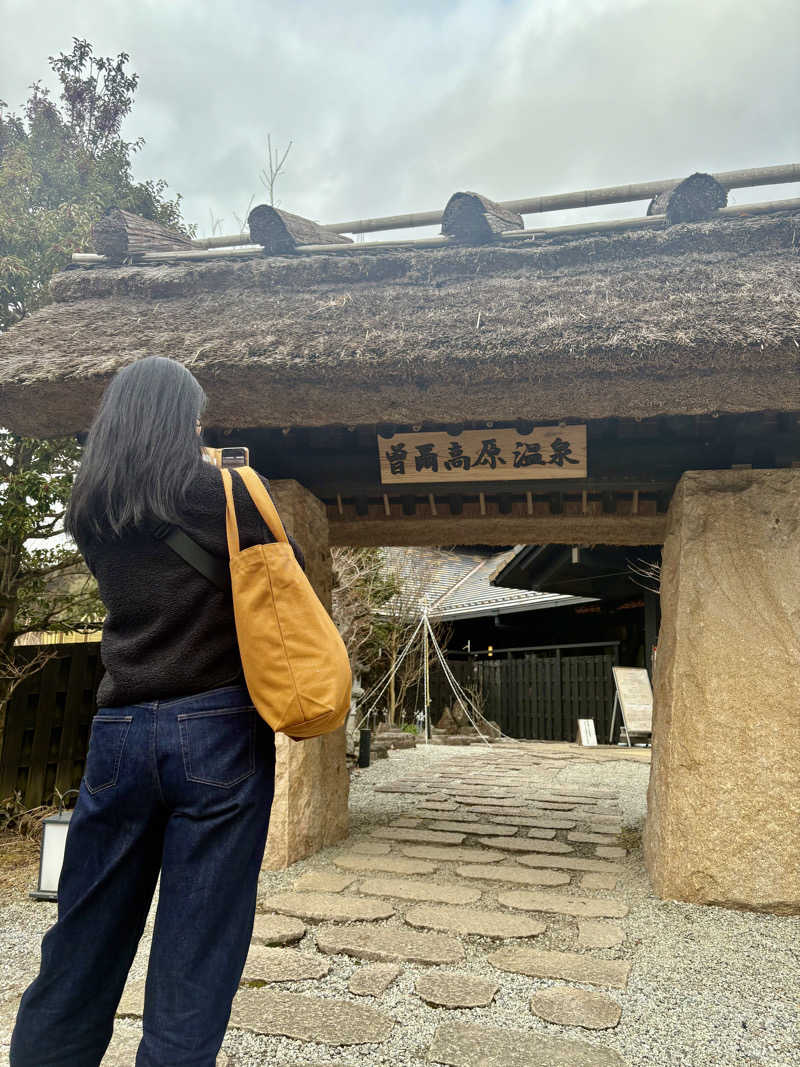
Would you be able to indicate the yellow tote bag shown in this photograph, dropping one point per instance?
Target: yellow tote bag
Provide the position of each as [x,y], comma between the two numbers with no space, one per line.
[295,663]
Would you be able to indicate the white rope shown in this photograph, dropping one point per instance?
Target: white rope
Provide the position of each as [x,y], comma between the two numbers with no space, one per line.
[383,683]
[455,687]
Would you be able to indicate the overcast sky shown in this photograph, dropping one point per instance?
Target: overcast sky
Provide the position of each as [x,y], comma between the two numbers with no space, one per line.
[393,106]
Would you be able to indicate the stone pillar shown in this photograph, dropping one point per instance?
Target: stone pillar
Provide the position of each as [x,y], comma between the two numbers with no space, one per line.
[311,784]
[724,797]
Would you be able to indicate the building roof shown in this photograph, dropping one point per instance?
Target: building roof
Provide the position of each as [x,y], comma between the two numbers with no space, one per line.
[689,319]
[454,583]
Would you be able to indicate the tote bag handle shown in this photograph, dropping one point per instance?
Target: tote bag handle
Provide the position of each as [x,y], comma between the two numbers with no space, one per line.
[260,498]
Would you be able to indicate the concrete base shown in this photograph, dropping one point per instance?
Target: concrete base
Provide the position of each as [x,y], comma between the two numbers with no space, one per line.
[312,784]
[724,795]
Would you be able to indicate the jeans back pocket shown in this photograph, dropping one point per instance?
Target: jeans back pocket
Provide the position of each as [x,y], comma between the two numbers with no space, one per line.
[106,743]
[219,745]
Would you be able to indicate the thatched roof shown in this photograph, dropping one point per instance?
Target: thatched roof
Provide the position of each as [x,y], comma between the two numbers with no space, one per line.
[696,318]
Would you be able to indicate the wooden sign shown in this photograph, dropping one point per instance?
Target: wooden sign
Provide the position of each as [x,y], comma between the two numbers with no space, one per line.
[586,733]
[551,452]
[635,699]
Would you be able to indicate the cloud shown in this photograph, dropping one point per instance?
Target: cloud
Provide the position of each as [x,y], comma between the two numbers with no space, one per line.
[392,107]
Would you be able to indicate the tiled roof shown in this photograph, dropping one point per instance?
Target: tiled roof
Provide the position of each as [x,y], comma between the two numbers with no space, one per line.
[453,583]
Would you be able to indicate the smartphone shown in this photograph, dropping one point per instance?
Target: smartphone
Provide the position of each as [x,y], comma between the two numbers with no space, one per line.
[234,456]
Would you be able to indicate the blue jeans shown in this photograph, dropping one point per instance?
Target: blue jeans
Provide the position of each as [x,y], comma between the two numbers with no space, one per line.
[183,787]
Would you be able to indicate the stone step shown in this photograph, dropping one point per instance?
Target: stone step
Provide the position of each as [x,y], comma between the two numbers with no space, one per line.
[370,848]
[274,929]
[454,855]
[595,933]
[408,889]
[388,864]
[591,838]
[282,965]
[449,989]
[321,907]
[541,823]
[476,828]
[566,966]
[373,979]
[576,1007]
[390,944]
[562,904]
[470,1045]
[610,852]
[512,873]
[570,863]
[527,844]
[478,922]
[324,1020]
[599,881]
[324,881]
[428,837]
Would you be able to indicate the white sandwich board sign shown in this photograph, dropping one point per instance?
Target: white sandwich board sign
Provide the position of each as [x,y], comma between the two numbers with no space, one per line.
[586,732]
[634,698]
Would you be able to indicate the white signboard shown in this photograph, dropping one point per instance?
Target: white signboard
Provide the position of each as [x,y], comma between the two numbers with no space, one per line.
[586,732]
[635,698]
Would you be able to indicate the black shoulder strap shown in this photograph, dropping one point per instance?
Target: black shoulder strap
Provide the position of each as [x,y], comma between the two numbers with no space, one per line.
[213,568]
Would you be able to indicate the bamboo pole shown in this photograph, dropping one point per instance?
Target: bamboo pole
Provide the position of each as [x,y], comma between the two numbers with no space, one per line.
[648,222]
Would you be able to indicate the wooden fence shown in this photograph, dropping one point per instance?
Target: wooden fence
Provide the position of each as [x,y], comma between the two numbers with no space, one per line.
[47,726]
[536,696]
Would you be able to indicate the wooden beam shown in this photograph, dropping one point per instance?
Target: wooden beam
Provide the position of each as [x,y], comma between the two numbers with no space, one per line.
[279,232]
[474,219]
[119,234]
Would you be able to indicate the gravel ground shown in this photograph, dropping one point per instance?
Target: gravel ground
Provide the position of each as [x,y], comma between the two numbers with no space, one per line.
[709,987]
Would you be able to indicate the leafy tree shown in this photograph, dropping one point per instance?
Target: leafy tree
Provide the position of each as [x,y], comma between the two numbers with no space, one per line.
[62,166]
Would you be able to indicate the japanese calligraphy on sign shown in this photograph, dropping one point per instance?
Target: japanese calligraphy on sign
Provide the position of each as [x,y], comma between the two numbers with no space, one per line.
[551,452]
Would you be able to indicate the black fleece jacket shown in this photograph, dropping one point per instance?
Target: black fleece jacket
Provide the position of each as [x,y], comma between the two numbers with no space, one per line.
[169,632]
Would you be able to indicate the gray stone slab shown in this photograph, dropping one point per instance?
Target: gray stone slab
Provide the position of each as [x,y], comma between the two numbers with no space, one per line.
[610,852]
[547,805]
[598,933]
[391,944]
[453,855]
[305,1018]
[562,904]
[570,863]
[504,813]
[282,965]
[475,828]
[576,1007]
[465,1045]
[567,966]
[496,802]
[390,864]
[370,848]
[324,881]
[121,1051]
[478,922]
[373,979]
[321,907]
[527,844]
[271,929]
[427,837]
[513,873]
[405,822]
[599,881]
[541,822]
[450,989]
[409,889]
[439,805]
[595,794]
[549,798]
[401,787]
[591,839]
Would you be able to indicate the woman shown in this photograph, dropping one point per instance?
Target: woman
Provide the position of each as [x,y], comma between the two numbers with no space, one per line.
[179,774]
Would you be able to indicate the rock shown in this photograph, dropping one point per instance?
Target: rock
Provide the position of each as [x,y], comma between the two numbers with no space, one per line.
[305,1018]
[454,855]
[428,837]
[318,907]
[373,979]
[406,889]
[497,802]
[440,805]
[273,929]
[390,864]
[400,787]
[561,904]
[723,802]
[448,989]
[527,844]
[282,965]
[406,823]
[576,1007]
[371,848]
[610,852]
[593,933]
[479,922]
[505,814]
[389,943]
[475,828]
[570,863]
[591,839]
[599,881]
[324,881]
[568,966]
[512,873]
[465,1045]
[121,1051]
